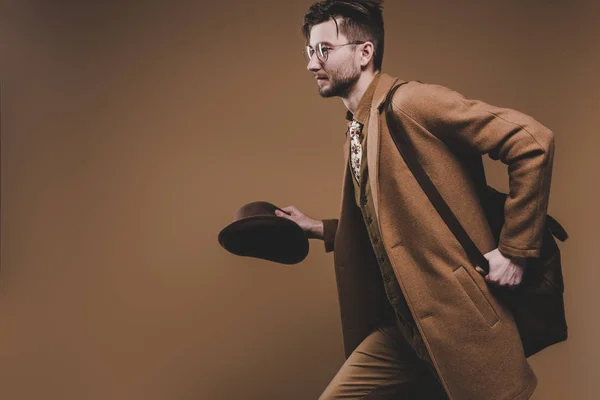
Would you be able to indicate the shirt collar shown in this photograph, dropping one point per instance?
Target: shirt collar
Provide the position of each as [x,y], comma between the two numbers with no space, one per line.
[364,105]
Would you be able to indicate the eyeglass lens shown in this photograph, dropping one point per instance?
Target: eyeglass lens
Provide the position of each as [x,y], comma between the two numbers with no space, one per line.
[321,52]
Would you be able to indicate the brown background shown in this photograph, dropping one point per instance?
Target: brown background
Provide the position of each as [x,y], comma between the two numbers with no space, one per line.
[131,132]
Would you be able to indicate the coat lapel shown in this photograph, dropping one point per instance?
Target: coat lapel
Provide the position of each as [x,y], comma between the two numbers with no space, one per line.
[383,87]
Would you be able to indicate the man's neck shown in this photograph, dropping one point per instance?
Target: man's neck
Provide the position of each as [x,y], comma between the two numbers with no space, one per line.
[353,99]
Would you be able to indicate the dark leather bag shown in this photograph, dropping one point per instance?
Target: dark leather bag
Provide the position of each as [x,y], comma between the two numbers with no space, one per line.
[537,304]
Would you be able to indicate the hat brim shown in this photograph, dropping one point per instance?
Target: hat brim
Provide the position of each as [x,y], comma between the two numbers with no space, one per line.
[267,237]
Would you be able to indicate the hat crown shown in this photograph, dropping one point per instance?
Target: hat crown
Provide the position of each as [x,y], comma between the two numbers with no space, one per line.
[254,209]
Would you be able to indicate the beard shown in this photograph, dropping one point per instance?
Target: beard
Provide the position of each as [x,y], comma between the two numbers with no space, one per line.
[340,81]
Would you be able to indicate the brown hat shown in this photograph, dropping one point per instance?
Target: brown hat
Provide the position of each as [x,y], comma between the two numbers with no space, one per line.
[257,232]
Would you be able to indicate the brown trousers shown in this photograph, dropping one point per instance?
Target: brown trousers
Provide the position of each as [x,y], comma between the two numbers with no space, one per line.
[385,366]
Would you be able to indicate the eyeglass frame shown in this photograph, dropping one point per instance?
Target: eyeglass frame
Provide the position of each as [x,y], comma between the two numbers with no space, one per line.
[333,47]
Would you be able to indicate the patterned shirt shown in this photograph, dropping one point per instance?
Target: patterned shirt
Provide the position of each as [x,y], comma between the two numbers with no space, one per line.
[356,139]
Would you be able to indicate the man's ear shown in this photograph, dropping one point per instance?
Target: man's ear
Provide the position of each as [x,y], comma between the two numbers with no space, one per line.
[367,53]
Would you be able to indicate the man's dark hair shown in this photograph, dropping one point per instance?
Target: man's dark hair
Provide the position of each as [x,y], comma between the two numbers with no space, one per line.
[361,20]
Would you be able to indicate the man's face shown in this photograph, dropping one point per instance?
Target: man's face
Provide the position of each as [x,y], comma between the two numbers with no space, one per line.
[337,75]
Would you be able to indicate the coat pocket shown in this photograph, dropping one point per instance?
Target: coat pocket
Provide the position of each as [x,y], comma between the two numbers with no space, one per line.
[476,295]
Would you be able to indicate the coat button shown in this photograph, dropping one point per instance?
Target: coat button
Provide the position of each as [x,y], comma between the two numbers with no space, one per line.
[381,260]
[386,278]
[369,220]
[375,240]
[363,200]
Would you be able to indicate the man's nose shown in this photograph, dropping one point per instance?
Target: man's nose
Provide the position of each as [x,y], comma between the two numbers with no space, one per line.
[313,64]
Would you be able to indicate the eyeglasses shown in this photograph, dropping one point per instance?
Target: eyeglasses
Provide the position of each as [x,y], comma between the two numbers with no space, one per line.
[323,50]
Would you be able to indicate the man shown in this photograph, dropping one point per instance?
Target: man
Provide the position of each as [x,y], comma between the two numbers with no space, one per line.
[418,319]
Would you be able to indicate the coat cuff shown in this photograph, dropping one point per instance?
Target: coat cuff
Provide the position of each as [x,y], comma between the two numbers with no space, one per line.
[509,251]
[329,229]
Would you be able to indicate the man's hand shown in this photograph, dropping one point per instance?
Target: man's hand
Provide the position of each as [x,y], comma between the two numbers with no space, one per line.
[311,227]
[504,271]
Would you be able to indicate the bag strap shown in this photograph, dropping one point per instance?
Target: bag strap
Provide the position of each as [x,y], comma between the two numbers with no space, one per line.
[408,152]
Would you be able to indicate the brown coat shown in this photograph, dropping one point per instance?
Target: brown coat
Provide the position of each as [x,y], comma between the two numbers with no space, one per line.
[470,336]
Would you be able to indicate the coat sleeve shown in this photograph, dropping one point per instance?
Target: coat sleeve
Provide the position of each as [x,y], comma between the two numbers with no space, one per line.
[329,229]
[519,141]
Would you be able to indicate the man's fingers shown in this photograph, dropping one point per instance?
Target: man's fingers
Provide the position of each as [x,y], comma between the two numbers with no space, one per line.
[279,213]
[289,209]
